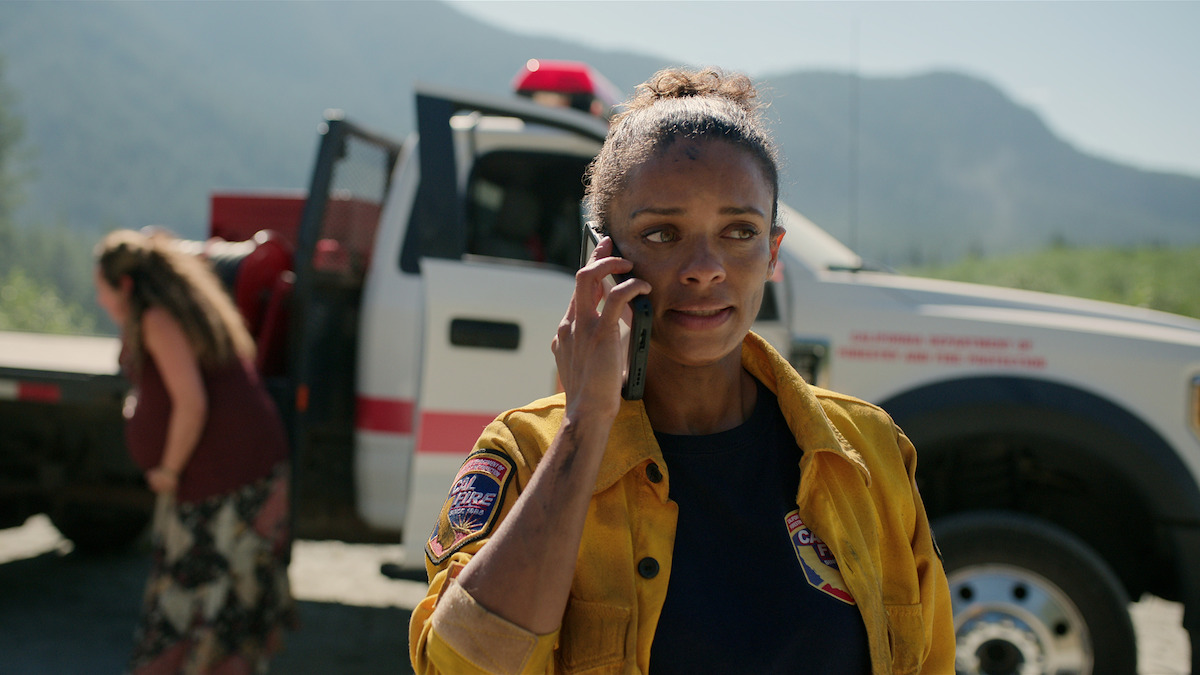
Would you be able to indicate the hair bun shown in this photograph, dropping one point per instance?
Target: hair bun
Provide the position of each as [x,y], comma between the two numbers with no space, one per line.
[679,83]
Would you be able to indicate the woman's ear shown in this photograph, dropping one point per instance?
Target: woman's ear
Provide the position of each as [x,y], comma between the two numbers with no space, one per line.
[776,240]
[125,285]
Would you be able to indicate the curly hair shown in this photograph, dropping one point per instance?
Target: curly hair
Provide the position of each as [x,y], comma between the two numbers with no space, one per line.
[163,275]
[677,103]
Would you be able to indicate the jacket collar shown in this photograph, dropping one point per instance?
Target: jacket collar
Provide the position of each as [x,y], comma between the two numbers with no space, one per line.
[632,440]
[805,415]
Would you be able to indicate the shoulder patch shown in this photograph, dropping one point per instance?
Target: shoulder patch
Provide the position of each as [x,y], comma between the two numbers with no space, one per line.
[816,560]
[473,504]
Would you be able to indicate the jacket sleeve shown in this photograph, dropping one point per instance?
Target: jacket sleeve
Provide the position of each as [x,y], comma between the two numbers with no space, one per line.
[449,631]
[936,612]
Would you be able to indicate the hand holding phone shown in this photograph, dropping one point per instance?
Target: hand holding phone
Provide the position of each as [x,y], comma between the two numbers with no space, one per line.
[635,323]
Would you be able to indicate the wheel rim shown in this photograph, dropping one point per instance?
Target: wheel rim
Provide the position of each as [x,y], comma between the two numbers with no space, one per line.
[1010,621]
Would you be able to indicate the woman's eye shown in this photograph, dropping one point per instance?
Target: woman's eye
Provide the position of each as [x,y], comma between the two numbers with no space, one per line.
[746,232]
[659,236]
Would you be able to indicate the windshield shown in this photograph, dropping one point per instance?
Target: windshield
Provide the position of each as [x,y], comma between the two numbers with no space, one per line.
[815,247]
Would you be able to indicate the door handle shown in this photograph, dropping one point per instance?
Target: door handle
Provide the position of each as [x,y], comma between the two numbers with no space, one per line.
[486,334]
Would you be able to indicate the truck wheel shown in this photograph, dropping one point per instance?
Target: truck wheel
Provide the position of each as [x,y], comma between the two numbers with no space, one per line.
[1031,598]
[100,530]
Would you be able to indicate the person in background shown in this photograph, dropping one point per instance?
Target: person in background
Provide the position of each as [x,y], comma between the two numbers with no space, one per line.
[204,430]
[734,520]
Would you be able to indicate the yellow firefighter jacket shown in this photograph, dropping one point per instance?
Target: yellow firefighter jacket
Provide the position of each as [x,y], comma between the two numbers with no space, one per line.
[856,493]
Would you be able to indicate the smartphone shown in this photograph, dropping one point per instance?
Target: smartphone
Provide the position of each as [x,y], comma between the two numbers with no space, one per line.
[635,323]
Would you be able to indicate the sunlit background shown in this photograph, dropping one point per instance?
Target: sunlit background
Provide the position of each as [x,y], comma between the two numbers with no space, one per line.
[932,137]
[1116,78]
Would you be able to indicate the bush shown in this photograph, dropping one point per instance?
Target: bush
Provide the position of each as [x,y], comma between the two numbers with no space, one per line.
[1162,278]
[26,305]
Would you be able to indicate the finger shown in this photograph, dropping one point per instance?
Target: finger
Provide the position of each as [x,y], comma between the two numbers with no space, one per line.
[621,295]
[570,314]
[590,284]
[603,249]
[595,271]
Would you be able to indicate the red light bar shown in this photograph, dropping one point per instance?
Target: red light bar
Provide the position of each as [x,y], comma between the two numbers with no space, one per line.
[577,83]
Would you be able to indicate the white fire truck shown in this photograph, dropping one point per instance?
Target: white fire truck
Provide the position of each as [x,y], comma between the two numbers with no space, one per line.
[411,293]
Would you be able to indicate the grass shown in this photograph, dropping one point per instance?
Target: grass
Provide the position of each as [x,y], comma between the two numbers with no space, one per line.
[1162,278]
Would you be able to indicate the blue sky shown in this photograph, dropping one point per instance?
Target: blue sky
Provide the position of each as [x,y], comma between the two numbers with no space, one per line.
[1115,79]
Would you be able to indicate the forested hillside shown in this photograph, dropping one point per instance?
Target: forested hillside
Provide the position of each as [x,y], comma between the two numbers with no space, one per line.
[45,271]
[131,113]
[1154,277]
[136,111]
[947,165]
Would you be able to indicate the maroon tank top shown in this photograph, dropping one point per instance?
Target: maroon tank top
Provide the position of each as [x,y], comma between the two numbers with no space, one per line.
[243,437]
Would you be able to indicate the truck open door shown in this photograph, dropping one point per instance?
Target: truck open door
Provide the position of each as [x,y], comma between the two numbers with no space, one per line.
[336,246]
[495,239]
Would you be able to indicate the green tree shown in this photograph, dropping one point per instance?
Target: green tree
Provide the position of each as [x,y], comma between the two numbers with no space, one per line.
[28,306]
[1155,277]
[45,273]
[12,131]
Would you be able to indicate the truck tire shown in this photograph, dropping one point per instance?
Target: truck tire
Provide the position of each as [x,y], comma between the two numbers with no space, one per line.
[1031,598]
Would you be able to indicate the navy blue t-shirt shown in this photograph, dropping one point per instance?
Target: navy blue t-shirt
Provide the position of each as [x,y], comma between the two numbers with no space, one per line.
[751,589]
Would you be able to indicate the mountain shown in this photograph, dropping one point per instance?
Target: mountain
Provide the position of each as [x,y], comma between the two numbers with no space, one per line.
[136,111]
[947,164]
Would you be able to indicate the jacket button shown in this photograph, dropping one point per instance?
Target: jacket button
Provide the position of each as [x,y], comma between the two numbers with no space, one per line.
[653,472]
[648,567]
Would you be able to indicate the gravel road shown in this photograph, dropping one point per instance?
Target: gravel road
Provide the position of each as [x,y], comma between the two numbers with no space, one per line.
[63,614]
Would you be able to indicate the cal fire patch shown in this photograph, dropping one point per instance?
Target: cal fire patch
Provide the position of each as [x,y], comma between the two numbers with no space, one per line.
[816,560]
[473,503]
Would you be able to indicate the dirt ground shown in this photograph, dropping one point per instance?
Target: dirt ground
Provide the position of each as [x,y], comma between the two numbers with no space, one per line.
[64,614]
[61,613]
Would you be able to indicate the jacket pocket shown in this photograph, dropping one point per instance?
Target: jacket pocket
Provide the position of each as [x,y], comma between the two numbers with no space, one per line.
[593,637]
[906,636]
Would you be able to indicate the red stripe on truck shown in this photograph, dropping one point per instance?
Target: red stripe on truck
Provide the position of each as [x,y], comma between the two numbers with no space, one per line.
[452,433]
[393,416]
[34,391]
[439,432]
[30,391]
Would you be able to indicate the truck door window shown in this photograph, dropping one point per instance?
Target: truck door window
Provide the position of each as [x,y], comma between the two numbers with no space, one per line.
[357,189]
[524,206]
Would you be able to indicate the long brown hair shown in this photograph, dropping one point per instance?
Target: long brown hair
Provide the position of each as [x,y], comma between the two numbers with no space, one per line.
[163,275]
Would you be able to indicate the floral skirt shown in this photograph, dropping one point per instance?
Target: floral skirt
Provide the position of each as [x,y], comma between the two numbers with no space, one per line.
[218,598]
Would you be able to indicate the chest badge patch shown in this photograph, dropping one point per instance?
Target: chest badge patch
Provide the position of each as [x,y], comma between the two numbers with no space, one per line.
[820,568]
[473,504]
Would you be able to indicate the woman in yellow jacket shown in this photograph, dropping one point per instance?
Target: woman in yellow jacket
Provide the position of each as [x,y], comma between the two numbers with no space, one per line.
[735,520]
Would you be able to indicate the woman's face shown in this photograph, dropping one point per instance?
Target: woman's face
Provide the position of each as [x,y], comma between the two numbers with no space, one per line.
[114,301]
[696,222]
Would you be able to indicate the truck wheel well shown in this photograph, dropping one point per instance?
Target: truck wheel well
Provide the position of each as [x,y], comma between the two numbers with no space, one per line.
[1058,453]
